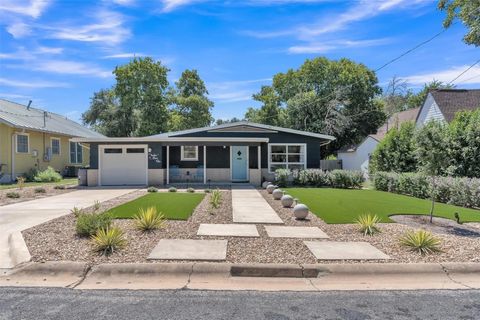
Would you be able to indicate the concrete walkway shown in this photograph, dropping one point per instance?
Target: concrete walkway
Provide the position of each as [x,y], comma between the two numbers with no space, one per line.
[23,215]
[250,207]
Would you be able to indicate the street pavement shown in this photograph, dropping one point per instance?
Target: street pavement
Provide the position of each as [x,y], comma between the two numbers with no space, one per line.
[59,303]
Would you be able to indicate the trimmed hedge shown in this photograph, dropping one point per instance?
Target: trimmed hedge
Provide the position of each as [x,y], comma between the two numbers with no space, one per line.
[464,192]
[343,179]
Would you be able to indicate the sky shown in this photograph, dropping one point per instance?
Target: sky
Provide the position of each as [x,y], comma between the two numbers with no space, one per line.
[57,53]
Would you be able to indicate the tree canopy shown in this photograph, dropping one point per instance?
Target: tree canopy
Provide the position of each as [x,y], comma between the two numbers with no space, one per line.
[467,11]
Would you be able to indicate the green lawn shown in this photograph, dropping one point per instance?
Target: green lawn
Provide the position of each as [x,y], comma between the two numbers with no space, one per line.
[40,184]
[175,206]
[345,205]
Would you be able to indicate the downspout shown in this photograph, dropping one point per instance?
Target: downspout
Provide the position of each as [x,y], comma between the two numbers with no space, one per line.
[12,172]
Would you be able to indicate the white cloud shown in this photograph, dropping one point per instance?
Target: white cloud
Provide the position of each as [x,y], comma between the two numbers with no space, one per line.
[31,8]
[170,5]
[107,28]
[124,2]
[19,29]
[70,67]
[24,54]
[124,55]
[33,84]
[234,91]
[472,76]
[335,45]
[49,50]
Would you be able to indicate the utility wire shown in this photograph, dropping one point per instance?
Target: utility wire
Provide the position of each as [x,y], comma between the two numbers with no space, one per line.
[464,71]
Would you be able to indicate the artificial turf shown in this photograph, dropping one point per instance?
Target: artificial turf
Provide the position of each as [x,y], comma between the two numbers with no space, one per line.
[174,206]
[345,205]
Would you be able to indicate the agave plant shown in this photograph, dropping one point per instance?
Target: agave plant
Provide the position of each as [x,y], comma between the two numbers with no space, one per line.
[149,219]
[421,241]
[368,224]
[216,199]
[108,240]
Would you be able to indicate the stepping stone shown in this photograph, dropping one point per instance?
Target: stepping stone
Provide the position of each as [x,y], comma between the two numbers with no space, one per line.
[188,249]
[331,250]
[295,232]
[260,214]
[228,230]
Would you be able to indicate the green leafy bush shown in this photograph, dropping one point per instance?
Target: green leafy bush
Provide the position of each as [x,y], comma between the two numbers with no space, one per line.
[149,219]
[281,177]
[172,189]
[48,175]
[421,241]
[40,190]
[216,199]
[336,178]
[13,195]
[89,223]
[30,174]
[108,240]
[190,190]
[463,192]
[368,224]
[152,189]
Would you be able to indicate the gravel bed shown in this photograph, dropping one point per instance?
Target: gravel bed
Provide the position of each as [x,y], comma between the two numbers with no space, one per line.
[28,193]
[456,248]
[56,240]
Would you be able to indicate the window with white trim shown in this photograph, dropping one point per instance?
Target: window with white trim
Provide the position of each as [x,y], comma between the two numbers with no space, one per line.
[189,153]
[22,143]
[55,146]
[286,156]
[76,153]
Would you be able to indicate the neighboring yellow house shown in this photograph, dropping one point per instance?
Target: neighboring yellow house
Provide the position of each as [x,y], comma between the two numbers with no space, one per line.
[31,138]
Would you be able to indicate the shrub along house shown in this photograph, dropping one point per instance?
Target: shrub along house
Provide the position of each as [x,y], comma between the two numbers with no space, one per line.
[31,138]
[234,152]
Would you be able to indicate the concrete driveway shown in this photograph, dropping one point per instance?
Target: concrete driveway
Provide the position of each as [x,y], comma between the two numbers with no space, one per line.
[23,215]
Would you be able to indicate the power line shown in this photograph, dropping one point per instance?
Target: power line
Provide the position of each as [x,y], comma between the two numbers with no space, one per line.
[464,71]
[410,50]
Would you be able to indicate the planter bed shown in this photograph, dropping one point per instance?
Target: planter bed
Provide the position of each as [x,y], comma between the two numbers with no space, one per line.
[28,193]
[456,248]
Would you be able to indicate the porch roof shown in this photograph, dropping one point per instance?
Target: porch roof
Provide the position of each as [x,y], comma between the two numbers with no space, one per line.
[171,140]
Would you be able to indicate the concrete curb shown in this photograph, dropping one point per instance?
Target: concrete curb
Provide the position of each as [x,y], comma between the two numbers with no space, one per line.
[243,270]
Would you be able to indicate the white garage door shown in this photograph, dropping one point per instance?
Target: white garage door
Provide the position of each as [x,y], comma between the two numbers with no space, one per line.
[123,165]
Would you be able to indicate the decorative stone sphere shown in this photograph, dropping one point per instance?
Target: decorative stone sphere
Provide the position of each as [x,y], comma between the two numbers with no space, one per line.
[270,188]
[265,184]
[287,201]
[300,211]
[277,194]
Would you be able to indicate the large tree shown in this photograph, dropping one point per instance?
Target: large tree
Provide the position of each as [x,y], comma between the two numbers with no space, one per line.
[467,11]
[416,100]
[191,104]
[102,115]
[271,111]
[142,89]
[332,97]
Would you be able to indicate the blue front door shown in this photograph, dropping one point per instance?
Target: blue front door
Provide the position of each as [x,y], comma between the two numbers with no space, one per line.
[239,163]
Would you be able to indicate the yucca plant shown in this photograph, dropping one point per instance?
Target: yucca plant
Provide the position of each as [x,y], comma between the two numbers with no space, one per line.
[149,219]
[76,211]
[368,224]
[96,206]
[108,240]
[21,182]
[421,241]
[216,199]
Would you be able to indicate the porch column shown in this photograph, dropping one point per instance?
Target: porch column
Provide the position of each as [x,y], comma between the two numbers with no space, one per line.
[168,164]
[204,164]
[259,153]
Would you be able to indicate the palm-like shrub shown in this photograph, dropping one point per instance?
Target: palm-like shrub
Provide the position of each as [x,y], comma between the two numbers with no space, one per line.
[421,241]
[108,240]
[76,211]
[89,223]
[21,182]
[216,199]
[368,224]
[149,219]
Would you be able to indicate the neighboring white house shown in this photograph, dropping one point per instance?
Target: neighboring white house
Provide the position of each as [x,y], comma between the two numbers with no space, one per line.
[441,105]
[357,157]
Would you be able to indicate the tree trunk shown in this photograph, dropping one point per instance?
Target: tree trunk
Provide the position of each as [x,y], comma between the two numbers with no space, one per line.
[433,199]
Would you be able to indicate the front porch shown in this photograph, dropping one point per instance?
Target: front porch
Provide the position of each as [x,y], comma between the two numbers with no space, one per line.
[213,164]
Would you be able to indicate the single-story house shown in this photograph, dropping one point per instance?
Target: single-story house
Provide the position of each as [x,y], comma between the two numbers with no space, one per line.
[441,105]
[31,138]
[357,157]
[234,152]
